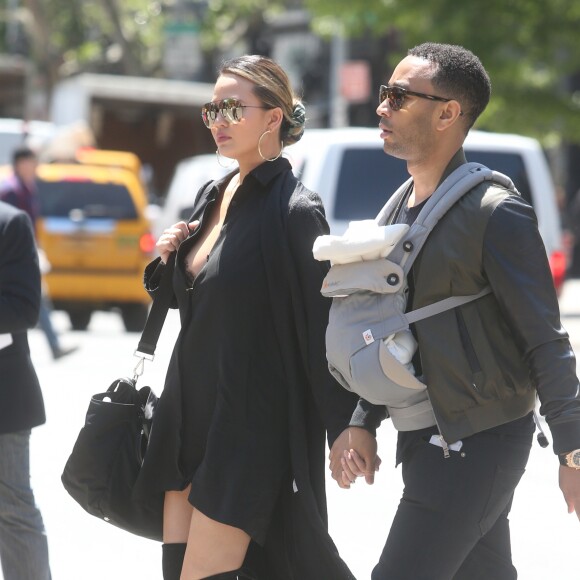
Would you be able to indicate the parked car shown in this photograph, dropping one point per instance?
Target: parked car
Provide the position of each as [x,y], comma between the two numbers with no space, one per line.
[126,160]
[109,158]
[348,168]
[97,238]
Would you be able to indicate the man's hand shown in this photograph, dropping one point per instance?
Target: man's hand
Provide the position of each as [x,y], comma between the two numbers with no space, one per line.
[570,486]
[354,454]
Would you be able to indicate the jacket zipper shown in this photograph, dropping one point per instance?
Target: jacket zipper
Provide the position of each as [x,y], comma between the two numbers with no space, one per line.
[473,365]
[470,353]
[444,444]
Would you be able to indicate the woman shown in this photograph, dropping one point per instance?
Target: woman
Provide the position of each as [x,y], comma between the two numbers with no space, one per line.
[238,441]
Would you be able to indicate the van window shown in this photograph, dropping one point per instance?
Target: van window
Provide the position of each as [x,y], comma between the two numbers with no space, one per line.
[368,177]
[96,200]
[510,164]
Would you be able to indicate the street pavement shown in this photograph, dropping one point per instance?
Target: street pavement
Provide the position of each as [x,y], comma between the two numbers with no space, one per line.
[545,543]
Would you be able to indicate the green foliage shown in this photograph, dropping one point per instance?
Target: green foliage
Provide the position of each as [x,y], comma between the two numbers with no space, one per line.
[226,22]
[527,46]
[84,37]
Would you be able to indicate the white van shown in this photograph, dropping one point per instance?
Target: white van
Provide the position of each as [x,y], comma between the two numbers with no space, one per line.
[354,177]
[15,133]
[190,174]
[348,168]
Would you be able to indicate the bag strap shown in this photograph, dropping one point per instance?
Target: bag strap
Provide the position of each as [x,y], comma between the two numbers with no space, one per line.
[161,303]
[157,313]
[160,307]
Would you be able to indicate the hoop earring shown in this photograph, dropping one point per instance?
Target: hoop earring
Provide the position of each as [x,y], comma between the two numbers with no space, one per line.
[260,144]
[219,160]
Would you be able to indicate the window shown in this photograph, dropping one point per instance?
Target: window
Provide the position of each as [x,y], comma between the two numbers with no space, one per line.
[95,200]
[368,177]
[510,164]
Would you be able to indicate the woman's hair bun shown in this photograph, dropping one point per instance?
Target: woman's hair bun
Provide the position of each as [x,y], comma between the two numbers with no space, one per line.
[295,126]
[298,114]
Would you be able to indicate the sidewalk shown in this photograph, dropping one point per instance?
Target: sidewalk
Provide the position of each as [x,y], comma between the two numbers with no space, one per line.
[546,540]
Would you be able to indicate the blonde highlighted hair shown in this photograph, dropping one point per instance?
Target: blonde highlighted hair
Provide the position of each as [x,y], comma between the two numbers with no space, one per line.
[272,86]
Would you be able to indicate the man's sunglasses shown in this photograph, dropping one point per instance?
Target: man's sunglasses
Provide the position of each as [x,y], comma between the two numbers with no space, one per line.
[230,109]
[397,95]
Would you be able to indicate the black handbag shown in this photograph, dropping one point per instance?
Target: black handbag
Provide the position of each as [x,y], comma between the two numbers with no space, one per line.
[105,461]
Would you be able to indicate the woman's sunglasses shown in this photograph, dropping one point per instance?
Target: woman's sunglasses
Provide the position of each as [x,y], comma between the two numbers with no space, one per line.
[397,95]
[230,109]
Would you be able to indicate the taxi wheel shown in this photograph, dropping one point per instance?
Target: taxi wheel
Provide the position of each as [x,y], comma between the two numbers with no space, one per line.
[79,319]
[134,316]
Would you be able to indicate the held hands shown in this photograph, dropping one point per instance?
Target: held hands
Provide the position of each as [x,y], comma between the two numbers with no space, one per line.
[354,454]
[570,486]
[172,237]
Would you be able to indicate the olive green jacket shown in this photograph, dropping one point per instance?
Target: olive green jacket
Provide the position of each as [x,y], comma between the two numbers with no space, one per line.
[484,362]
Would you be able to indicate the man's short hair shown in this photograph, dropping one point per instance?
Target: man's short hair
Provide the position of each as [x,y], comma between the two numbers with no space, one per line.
[459,75]
[22,153]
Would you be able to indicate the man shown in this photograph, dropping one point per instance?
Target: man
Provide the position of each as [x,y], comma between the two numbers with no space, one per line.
[23,544]
[20,191]
[483,362]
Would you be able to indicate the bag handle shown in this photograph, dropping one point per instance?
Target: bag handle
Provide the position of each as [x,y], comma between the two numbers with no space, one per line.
[156,317]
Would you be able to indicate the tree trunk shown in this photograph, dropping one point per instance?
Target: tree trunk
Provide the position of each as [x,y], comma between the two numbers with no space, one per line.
[44,55]
[131,65]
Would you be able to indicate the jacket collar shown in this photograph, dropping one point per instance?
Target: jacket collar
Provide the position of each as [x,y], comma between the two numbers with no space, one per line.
[456,161]
[268,170]
[263,175]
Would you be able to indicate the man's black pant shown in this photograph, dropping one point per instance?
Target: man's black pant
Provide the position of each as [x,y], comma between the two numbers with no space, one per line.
[452,522]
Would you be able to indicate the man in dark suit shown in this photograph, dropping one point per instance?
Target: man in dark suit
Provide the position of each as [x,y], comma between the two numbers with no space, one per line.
[20,191]
[23,544]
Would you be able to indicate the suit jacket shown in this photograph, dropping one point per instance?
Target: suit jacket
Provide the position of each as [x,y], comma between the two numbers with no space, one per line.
[15,192]
[21,403]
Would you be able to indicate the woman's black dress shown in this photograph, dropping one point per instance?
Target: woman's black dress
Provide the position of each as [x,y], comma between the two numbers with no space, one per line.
[223,420]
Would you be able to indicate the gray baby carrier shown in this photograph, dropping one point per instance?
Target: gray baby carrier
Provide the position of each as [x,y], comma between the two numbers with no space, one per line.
[367,307]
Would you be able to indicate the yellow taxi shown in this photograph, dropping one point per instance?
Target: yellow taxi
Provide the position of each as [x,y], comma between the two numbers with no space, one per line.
[97,238]
[109,158]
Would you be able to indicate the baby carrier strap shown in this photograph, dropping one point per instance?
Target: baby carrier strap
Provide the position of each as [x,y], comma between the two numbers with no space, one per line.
[449,192]
[366,337]
[443,305]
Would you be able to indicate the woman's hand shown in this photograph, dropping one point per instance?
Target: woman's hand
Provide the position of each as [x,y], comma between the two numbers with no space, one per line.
[354,454]
[172,237]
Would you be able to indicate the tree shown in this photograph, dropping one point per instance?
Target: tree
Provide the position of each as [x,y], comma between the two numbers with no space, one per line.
[105,36]
[529,48]
[127,36]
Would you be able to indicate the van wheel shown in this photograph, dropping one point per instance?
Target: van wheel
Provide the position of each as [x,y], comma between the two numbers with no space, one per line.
[79,319]
[134,316]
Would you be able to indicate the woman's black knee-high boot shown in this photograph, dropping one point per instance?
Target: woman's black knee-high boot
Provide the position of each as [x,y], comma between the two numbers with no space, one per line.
[172,560]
